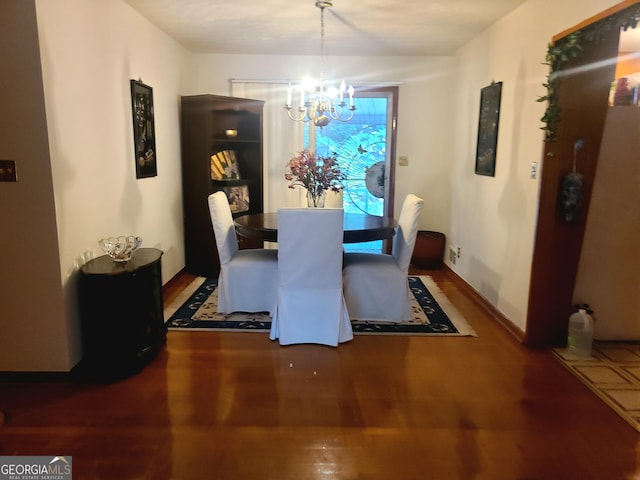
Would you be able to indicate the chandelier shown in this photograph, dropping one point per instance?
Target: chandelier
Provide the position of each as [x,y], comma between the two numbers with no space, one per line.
[319,102]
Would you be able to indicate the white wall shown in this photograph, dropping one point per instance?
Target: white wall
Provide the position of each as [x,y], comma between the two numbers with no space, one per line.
[33,321]
[90,51]
[87,189]
[493,218]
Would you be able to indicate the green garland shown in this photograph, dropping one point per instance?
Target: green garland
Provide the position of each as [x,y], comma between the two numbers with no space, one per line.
[568,48]
[558,54]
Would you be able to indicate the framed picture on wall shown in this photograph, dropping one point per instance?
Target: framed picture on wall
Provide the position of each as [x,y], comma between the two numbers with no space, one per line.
[144,132]
[488,129]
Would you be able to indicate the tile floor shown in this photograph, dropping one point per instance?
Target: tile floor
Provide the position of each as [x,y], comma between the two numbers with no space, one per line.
[613,373]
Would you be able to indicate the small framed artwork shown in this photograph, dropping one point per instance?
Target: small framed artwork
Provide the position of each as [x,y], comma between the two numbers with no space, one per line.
[238,196]
[488,129]
[144,132]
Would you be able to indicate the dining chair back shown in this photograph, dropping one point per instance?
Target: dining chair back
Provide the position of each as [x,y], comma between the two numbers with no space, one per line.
[376,285]
[223,228]
[404,241]
[247,279]
[310,306]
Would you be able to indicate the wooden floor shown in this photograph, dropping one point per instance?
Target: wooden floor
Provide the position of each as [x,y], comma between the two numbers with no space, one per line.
[239,406]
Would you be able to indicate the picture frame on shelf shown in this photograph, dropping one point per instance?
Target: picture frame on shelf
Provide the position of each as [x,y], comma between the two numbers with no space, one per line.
[144,136]
[488,123]
[238,196]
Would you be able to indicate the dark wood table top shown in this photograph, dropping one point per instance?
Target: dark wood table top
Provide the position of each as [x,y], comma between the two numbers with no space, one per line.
[358,227]
[105,265]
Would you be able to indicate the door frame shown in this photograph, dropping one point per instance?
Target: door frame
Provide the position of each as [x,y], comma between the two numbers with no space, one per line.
[392,141]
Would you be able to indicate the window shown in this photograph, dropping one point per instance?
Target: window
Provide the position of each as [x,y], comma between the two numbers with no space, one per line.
[363,148]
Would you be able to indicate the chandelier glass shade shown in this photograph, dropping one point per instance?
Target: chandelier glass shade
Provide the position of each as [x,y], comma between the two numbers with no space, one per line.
[318,101]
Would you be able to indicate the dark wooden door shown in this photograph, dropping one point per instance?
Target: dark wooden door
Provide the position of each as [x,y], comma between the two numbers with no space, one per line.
[583,96]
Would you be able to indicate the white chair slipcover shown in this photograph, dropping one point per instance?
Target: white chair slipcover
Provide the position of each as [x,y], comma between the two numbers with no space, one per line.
[376,285]
[247,280]
[311,307]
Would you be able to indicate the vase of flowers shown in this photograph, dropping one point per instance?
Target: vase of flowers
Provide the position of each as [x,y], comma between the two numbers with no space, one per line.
[315,173]
[316,199]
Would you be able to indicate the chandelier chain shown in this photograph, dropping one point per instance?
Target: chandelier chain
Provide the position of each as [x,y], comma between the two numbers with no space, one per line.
[319,104]
[322,7]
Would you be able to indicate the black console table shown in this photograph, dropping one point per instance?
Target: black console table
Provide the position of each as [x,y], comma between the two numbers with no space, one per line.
[121,314]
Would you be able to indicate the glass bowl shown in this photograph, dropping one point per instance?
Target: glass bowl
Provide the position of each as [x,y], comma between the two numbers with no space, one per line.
[120,248]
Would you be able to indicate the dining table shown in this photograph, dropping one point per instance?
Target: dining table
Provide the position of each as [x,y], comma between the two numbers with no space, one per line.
[358,227]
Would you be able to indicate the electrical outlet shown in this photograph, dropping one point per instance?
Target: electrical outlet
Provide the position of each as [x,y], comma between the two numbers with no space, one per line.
[453,255]
[534,170]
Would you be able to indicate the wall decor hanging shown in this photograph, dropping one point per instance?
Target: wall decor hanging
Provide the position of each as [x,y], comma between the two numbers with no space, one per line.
[571,189]
[144,136]
[488,129]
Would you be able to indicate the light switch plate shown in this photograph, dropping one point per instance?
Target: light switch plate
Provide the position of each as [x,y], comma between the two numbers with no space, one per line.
[8,171]
[403,161]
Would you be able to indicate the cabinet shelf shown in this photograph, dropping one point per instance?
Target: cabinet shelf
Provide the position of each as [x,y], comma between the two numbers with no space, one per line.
[232,182]
[231,141]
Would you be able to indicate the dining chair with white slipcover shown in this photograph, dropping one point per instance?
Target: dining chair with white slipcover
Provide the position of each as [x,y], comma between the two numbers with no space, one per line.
[376,285]
[247,280]
[311,306]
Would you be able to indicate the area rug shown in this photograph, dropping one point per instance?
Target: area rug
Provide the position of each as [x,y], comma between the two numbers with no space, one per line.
[612,372]
[433,314]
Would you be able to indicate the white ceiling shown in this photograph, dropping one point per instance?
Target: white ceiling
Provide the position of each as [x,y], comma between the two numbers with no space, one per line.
[352,27]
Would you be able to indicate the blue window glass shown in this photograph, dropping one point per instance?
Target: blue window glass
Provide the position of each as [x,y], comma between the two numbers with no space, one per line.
[360,147]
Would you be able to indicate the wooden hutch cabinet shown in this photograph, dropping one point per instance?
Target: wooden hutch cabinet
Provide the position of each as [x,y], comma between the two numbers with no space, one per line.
[221,150]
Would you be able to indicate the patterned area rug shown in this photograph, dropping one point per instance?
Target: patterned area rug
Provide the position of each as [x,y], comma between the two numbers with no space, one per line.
[613,373]
[195,309]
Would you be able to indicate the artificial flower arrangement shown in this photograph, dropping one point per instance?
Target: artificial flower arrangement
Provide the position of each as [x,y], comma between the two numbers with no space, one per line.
[315,173]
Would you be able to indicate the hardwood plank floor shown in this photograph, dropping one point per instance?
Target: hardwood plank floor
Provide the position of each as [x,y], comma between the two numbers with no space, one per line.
[239,406]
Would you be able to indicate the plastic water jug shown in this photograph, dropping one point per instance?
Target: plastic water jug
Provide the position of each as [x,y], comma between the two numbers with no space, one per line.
[580,333]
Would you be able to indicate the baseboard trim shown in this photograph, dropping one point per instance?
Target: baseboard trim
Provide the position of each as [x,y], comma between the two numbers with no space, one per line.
[34,377]
[173,280]
[482,302]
